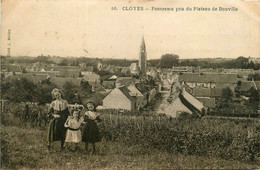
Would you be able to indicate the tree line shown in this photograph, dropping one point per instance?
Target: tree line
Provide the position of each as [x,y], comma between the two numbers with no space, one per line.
[170,60]
[166,61]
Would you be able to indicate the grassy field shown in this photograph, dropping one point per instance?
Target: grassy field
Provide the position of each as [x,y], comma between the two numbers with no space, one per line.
[145,141]
[23,148]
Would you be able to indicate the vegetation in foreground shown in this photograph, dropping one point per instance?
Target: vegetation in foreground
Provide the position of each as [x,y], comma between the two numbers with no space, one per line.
[146,141]
[223,138]
[26,148]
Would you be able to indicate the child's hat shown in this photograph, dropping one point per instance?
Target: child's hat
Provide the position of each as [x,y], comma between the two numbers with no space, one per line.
[90,101]
[95,99]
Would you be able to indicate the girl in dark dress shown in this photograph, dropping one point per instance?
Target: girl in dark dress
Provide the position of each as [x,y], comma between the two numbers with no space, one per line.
[58,113]
[91,131]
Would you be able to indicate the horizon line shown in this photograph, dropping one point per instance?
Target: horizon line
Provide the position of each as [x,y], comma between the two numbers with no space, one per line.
[180,58]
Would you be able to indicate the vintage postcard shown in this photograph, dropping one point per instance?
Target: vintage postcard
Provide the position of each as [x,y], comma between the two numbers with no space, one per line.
[130,84]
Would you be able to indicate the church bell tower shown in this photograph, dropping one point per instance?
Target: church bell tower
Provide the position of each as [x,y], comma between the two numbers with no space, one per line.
[142,58]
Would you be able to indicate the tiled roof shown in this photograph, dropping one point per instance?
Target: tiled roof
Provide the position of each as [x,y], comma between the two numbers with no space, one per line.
[246,85]
[134,91]
[126,92]
[28,76]
[207,92]
[141,88]
[190,101]
[34,78]
[61,68]
[15,68]
[209,78]
[126,81]
[45,72]
[202,92]
[59,81]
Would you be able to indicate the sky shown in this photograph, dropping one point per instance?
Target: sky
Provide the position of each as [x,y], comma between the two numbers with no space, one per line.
[69,28]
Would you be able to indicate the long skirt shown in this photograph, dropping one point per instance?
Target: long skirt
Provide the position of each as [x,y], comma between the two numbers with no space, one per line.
[91,132]
[56,129]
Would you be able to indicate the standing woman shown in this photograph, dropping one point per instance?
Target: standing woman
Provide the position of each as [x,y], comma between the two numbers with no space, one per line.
[91,132]
[59,113]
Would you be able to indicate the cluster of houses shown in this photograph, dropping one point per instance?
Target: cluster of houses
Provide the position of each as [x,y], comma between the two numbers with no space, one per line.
[126,93]
[182,89]
[130,94]
[207,85]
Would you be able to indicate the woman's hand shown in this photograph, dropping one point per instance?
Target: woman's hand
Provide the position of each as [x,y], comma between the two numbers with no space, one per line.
[56,116]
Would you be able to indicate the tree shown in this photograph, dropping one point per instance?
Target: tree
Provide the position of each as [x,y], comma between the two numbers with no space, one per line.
[227,94]
[169,60]
[254,97]
[43,59]
[154,62]
[85,91]
[70,92]
[19,90]
[42,93]
[241,62]
[64,62]
[85,87]
[251,65]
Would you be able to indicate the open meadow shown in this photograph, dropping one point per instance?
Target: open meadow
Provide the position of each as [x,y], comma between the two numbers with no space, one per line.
[144,142]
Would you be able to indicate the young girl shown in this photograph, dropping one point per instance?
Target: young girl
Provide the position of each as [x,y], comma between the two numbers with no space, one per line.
[73,133]
[91,131]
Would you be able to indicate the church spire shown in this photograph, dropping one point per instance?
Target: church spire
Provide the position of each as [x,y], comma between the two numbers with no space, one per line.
[143,43]
[142,57]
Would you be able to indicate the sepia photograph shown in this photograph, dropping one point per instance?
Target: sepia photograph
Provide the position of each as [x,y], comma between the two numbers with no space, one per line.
[130,84]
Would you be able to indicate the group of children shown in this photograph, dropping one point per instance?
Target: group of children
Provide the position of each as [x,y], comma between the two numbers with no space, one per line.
[66,126]
[90,132]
